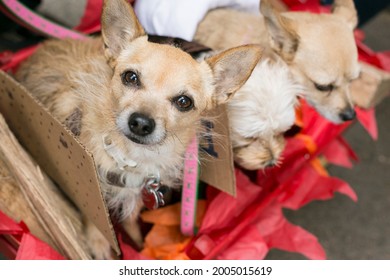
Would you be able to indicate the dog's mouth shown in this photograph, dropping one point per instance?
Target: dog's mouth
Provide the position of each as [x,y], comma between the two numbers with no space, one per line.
[157,138]
[328,113]
[136,140]
[151,140]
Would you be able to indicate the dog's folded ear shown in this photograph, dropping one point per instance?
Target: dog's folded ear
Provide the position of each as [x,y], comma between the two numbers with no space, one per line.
[119,27]
[232,68]
[283,38]
[346,10]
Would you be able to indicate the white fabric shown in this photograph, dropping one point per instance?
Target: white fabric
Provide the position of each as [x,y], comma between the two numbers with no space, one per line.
[180,18]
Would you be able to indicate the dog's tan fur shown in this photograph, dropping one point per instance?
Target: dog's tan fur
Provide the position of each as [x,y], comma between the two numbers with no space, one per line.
[65,75]
[318,48]
[259,153]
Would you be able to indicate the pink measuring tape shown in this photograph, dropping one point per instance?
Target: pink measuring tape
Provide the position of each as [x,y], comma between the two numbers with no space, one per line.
[190,189]
[31,20]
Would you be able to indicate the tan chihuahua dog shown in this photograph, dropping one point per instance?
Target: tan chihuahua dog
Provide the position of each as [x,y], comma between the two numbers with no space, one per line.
[319,49]
[139,104]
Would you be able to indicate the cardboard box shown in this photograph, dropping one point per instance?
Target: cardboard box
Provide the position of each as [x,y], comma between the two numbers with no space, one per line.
[217,165]
[72,167]
[371,88]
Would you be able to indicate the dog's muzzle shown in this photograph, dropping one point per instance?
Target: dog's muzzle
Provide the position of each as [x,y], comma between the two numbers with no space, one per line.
[140,126]
[348,114]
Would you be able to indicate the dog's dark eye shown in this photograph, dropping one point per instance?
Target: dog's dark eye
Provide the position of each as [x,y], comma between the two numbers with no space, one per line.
[183,103]
[326,88]
[130,78]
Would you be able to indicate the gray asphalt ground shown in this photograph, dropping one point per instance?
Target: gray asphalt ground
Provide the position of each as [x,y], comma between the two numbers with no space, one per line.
[349,230]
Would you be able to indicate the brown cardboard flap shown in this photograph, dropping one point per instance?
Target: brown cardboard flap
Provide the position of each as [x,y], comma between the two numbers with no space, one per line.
[371,87]
[217,166]
[55,149]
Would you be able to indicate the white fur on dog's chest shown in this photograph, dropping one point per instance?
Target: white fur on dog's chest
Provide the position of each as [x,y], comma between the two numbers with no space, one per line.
[158,162]
[127,197]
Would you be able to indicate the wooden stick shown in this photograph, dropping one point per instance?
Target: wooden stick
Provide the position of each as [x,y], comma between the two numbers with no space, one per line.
[56,214]
[15,206]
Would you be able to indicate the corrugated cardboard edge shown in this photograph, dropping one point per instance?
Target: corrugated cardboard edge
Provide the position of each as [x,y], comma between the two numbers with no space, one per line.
[217,165]
[57,151]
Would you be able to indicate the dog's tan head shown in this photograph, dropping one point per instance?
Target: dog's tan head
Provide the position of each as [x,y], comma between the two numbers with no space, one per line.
[260,153]
[321,52]
[159,91]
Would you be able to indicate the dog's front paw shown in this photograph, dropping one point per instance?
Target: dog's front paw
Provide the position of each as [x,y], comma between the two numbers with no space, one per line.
[98,245]
[100,248]
[132,228]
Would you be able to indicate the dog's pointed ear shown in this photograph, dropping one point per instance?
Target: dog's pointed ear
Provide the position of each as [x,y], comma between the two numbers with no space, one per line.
[346,10]
[119,27]
[232,68]
[283,38]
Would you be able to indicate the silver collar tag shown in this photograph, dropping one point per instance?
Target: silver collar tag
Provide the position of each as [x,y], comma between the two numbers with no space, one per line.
[152,197]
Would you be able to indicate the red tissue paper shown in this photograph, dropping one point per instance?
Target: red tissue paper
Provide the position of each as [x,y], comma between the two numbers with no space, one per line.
[28,246]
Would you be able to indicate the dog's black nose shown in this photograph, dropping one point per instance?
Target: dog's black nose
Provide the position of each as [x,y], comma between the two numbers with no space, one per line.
[348,114]
[141,125]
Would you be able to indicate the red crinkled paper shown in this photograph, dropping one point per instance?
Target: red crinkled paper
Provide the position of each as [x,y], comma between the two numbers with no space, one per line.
[279,233]
[368,121]
[224,208]
[309,184]
[30,247]
[265,229]
[257,208]
[338,152]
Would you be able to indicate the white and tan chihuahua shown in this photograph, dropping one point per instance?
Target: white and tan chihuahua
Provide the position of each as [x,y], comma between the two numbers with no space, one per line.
[313,55]
[319,49]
